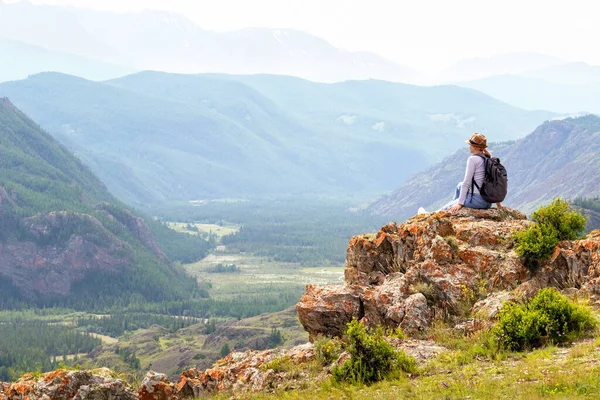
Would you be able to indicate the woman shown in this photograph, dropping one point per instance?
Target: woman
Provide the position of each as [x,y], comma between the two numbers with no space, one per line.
[467,194]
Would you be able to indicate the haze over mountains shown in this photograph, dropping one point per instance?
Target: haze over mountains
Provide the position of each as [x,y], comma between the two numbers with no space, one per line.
[502,64]
[560,158]
[18,60]
[178,45]
[156,137]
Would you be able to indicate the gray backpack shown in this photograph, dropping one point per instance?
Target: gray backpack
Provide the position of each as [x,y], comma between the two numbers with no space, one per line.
[495,182]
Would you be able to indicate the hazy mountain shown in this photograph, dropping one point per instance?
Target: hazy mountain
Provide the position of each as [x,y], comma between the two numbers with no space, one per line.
[154,137]
[63,238]
[442,114]
[53,28]
[536,94]
[19,60]
[578,73]
[560,158]
[170,42]
[511,63]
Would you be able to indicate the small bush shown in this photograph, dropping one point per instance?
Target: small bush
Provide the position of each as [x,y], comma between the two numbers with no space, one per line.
[327,350]
[549,318]
[372,358]
[554,223]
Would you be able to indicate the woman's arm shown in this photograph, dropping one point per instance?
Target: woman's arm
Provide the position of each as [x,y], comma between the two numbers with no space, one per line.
[466,183]
[465,186]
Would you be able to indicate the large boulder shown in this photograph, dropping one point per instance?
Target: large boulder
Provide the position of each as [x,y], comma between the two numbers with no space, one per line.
[437,266]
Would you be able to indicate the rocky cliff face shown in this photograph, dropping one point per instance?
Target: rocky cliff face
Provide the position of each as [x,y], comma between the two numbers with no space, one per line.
[41,266]
[440,265]
[59,248]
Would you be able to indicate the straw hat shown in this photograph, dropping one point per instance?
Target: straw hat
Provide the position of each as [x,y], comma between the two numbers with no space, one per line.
[478,140]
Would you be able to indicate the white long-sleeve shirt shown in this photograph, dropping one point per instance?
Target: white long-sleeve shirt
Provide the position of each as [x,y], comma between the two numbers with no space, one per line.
[475,168]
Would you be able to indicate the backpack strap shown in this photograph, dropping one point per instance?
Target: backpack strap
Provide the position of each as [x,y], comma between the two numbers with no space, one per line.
[473,183]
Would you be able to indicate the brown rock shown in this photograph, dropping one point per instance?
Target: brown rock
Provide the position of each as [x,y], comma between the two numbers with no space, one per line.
[437,265]
[242,372]
[489,307]
[156,386]
[327,310]
[3,390]
[417,314]
[77,385]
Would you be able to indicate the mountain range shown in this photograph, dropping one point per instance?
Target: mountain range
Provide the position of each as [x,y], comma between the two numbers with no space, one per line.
[19,60]
[178,45]
[559,158]
[501,64]
[75,41]
[545,90]
[156,137]
[64,239]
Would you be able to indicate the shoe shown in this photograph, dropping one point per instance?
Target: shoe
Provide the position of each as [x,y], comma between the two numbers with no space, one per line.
[421,211]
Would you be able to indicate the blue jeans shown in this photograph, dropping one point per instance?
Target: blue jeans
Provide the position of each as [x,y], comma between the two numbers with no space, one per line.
[474,201]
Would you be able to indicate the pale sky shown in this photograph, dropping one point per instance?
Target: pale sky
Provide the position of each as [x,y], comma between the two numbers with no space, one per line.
[426,34]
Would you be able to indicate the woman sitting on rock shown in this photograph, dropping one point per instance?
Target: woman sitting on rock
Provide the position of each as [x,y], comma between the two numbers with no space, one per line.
[467,194]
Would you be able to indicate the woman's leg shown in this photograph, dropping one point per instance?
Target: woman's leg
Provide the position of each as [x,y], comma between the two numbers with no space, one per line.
[457,191]
[476,201]
[454,201]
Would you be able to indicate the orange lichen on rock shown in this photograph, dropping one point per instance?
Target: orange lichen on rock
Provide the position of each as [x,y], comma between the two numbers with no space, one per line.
[435,264]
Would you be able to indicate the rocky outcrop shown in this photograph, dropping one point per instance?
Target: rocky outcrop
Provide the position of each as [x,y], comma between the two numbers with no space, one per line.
[438,265]
[98,384]
[156,386]
[138,227]
[60,248]
[255,371]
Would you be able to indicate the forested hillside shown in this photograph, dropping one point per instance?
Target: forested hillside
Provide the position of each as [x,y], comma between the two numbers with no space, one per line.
[64,240]
[591,208]
[156,137]
[560,158]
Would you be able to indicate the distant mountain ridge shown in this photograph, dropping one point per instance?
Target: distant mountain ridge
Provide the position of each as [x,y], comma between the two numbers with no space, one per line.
[535,93]
[64,239]
[156,137]
[501,64]
[19,60]
[178,45]
[560,158]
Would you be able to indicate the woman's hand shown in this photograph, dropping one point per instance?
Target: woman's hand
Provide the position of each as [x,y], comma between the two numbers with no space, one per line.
[455,208]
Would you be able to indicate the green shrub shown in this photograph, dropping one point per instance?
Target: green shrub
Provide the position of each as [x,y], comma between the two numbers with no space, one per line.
[327,350]
[372,358]
[225,350]
[553,223]
[548,318]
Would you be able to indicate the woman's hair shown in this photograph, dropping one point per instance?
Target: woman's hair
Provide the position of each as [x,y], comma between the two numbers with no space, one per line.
[486,152]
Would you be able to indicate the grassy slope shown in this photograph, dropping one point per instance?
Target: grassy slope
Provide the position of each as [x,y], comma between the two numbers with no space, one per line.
[561,373]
